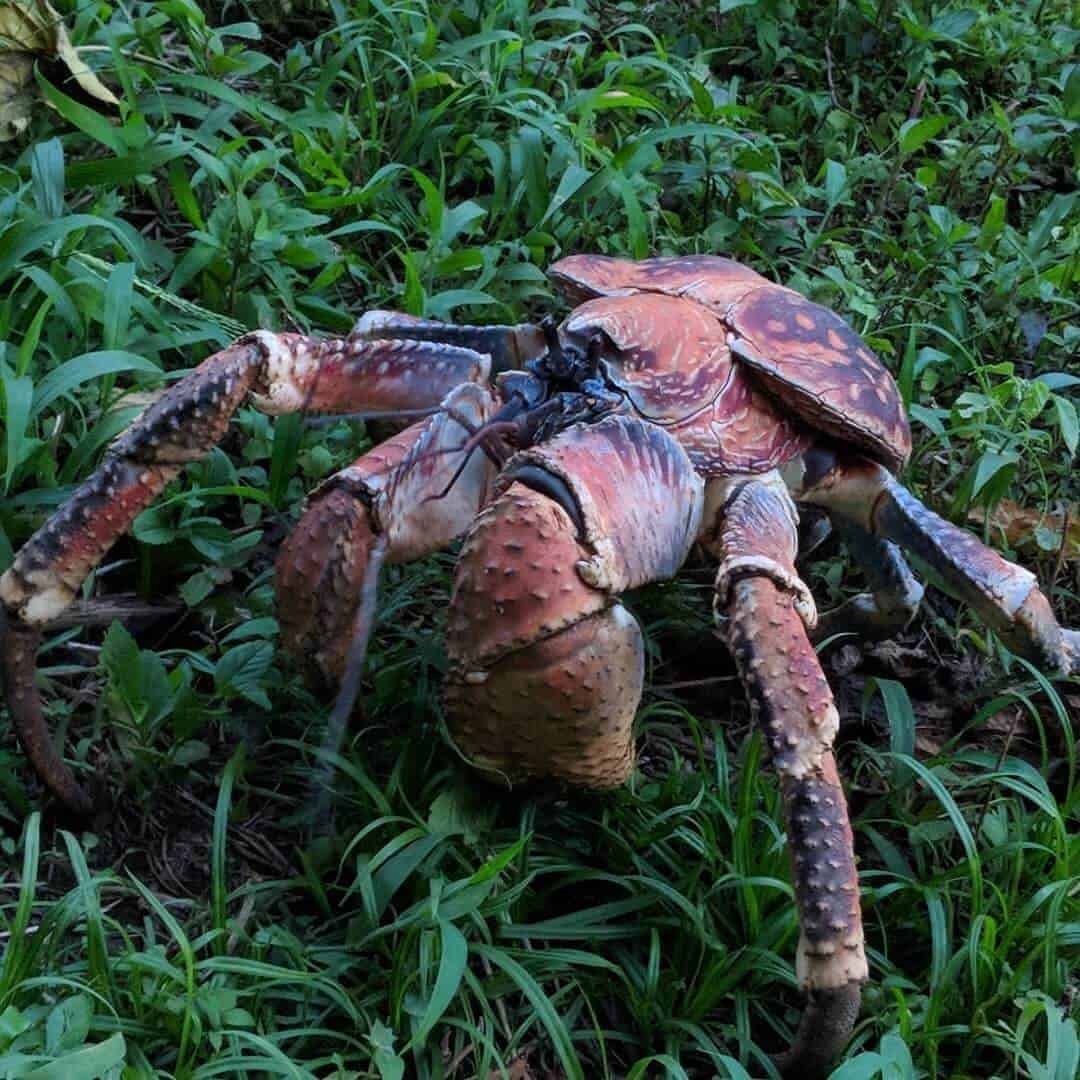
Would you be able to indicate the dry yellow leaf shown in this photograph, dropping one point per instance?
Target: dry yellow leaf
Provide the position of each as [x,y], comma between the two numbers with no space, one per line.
[25,27]
[32,30]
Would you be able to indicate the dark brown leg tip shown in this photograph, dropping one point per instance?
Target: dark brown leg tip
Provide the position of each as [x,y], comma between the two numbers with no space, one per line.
[18,660]
[824,1030]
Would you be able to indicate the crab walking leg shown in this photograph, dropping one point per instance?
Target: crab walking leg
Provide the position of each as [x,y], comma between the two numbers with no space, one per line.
[508,346]
[387,506]
[388,499]
[1004,595]
[760,601]
[894,597]
[546,666]
[282,373]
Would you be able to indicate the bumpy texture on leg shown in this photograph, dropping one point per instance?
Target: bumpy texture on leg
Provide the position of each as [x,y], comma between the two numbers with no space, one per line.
[509,347]
[390,493]
[792,702]
[546,671]
[1004,595]
[750,543]
[546,666]
[282,373]
[53,563]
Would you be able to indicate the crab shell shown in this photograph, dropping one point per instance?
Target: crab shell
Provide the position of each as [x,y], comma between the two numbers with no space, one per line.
[744,373]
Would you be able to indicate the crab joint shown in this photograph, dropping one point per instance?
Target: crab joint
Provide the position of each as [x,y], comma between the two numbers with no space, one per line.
[739,566]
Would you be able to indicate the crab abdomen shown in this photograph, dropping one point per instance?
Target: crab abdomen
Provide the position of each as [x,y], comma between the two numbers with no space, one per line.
[743,430]
[671,358]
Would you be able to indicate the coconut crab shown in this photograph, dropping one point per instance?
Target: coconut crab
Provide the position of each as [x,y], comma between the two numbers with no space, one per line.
[684,400]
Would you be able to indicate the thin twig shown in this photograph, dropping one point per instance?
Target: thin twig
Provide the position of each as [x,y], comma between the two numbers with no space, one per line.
[829,76]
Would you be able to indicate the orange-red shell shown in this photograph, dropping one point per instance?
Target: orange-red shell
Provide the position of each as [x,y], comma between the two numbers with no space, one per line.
[672,358]
[798,352]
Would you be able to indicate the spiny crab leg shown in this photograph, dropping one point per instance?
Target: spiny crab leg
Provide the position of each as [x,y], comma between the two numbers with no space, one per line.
[282,373]
[508,346]
[381,508]
[1005,596]
[791,701]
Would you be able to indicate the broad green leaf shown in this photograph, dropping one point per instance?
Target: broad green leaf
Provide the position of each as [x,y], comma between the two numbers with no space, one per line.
[28,237]
[118,293]
[18,399]
[89,1063]
[47,174]
[83,117]
[68,1024]
[242,670]
[1068,423]
[389,1064]
[452,964]
[915,134]
[900,714]
[1070,97]
[867,1066]
[835,182]
[84,368]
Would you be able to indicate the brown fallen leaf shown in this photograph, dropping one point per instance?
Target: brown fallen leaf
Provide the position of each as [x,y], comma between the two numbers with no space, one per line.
[517,1070]
[32,30]
[1030,530]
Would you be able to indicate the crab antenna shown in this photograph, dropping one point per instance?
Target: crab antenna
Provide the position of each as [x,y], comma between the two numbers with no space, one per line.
[499,424]
[478,441]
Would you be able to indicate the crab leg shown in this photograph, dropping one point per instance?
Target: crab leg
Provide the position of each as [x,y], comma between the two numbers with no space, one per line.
[282,373]
[386,507]
[894,597]
[1003,594]
[388,497]
[508,346]
[763,606]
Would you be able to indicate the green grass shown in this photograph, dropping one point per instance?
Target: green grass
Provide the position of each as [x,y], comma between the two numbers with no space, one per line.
[286,164]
